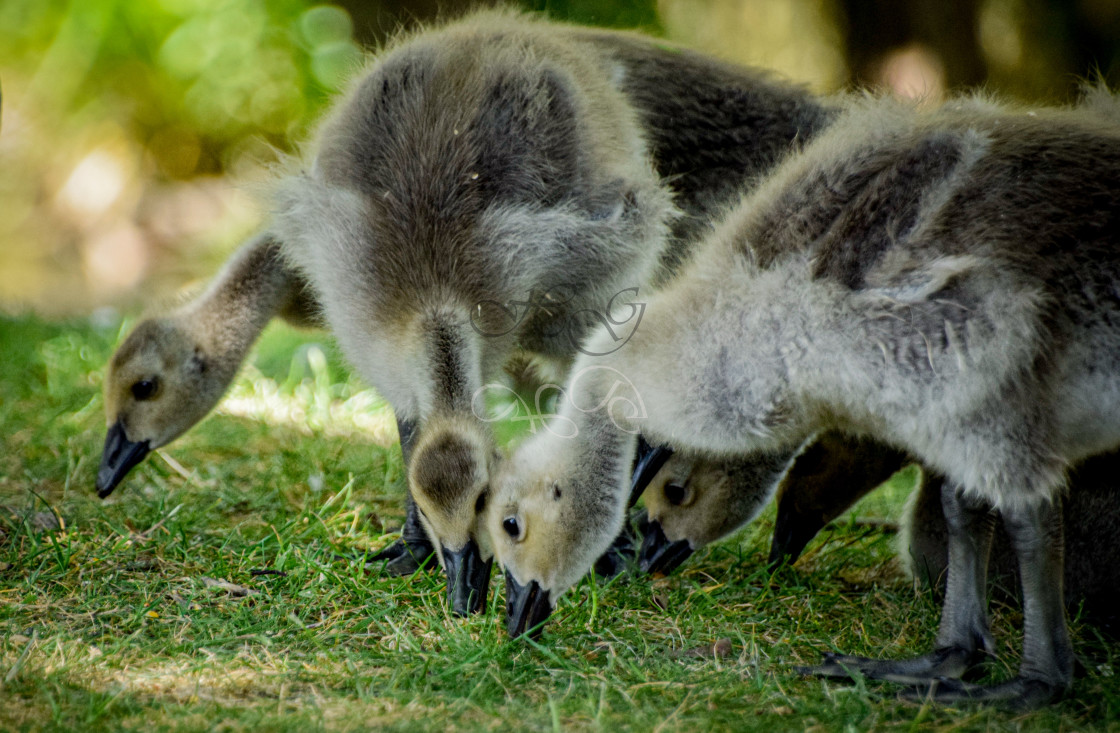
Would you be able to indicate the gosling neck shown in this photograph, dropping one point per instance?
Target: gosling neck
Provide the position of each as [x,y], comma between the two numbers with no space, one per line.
[600,417]
[251,289]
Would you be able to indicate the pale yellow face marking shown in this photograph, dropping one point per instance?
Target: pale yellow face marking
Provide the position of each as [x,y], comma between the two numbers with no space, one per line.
[690,499]
[557,540]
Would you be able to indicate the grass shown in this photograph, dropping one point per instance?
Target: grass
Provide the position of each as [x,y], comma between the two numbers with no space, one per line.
[208,594]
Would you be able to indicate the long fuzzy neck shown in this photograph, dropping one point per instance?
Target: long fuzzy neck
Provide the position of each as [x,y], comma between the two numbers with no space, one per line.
[453,364]
[254,286]
[599,420]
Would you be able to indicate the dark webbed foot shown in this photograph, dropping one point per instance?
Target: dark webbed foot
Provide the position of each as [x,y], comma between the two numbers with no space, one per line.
[413,551]
[1019,694]
[406,556]
[945,663]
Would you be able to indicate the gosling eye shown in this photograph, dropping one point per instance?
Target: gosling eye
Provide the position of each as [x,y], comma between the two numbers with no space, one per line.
[556,493]
[510,525]
[675,494]
[145,389]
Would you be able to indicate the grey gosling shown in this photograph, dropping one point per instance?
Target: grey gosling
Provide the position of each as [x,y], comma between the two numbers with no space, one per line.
[497,187]
[172,370]
[945,282]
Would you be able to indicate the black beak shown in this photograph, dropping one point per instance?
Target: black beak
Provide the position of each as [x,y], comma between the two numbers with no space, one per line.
[647,463]
[658,555]
[527,607]
[468,578]
[118,458]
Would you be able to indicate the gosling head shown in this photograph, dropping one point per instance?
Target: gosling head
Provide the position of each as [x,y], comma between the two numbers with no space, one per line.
[159,383]
[555,508]
[449,475]
[694,501]
[674,527]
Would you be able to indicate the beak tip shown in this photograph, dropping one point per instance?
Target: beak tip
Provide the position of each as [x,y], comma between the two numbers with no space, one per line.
[119,457]
[468,579]
[533,633]
[105,482]
[527,608]
[658,556]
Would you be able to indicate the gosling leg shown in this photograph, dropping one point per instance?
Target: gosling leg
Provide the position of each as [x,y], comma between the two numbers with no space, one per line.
[825,480]
[1046,669]
[963,638]
[413,550]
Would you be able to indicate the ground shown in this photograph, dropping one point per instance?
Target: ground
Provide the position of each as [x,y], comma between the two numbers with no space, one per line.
[215,591]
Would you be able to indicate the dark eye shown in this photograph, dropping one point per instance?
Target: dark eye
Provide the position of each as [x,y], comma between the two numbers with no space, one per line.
[556,493]
[145,389]
[480,503]
[675,494]
[509,524]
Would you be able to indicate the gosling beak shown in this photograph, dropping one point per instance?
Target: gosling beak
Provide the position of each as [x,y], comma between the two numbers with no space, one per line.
[468,578]
[647,463]
[658,555]
[118,458]
[527,607]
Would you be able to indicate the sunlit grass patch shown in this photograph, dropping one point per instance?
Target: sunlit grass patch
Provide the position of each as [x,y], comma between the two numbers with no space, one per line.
[315,394]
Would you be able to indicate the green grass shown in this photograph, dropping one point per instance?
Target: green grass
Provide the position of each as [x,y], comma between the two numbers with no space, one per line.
[114,621]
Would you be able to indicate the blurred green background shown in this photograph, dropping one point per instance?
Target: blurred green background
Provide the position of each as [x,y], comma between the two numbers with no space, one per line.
[134,132]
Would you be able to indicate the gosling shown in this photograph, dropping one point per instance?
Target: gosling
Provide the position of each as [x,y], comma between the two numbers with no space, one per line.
[944,282]
[497,187]
[691,505]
